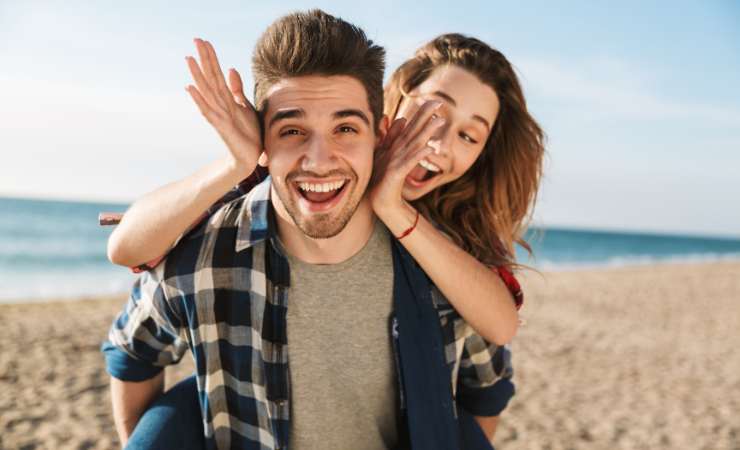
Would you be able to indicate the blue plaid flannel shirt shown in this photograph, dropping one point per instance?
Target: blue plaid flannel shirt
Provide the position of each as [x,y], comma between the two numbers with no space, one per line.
[223,292]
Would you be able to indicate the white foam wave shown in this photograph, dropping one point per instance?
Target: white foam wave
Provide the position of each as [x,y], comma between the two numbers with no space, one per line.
[634,260]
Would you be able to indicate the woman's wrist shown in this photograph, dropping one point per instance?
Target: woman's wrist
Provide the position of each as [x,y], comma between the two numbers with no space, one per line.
[235,170]
[398,219]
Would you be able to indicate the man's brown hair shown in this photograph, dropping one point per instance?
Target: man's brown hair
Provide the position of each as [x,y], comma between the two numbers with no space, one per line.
[317,43]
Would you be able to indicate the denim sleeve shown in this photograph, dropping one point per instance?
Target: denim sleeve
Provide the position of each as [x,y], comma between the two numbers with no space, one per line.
[484,385]
[145,336]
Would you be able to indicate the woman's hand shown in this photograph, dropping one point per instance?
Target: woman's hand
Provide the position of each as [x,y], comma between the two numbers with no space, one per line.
[225,107]
[403,147]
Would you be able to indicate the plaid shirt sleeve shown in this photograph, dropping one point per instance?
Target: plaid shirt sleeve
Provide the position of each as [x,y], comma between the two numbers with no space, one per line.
[145,336]
[484,379]
[484,385]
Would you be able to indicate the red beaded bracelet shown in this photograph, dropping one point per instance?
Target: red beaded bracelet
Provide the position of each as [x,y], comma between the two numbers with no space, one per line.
[411,228]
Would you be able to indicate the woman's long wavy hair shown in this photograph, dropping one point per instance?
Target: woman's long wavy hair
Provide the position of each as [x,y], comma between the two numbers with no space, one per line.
[486,210]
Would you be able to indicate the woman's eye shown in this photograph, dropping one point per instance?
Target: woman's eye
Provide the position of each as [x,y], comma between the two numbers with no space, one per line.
[467,138]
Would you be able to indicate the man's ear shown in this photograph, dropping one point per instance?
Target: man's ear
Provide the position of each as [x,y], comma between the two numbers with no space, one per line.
[263,160]
[383,127]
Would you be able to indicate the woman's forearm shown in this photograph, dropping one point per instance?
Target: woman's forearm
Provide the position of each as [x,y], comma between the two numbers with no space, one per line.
[153,223]
[473,289]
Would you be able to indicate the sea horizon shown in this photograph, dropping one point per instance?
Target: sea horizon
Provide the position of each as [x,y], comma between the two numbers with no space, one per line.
[55,249]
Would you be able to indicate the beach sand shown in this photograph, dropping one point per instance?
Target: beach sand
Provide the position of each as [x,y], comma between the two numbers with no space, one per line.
[627,358]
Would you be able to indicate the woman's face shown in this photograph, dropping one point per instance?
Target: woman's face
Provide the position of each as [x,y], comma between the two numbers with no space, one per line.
[469,108]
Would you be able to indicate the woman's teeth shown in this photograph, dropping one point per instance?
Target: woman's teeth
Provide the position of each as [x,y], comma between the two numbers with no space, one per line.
[321,187]
[429,166]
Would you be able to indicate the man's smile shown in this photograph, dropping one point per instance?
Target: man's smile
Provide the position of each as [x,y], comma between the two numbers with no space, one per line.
[320,195]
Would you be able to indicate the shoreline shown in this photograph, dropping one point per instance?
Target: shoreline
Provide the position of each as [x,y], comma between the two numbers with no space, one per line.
[526,268]
[633,357]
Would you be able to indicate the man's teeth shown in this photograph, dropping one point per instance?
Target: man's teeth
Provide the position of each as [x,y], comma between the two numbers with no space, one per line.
[321,187]
[429,166]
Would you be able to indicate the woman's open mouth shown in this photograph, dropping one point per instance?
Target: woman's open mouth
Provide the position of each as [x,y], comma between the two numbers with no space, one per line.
[422,173]
[319,196]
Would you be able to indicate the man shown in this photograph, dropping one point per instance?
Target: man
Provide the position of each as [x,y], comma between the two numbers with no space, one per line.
[369,364]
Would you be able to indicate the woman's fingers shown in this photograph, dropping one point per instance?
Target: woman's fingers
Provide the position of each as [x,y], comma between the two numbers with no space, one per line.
[421,142]
[394,131]
[402,160]
[200,47]
[402,149]
[202,104]
[426,132]
[246,115]
[218,74]
[209,74]
[419,120]
[200,81]
[237,88]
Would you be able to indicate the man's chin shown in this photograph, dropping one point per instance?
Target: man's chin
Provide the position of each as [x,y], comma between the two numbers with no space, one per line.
[324,225]
[317,230]
[320,221]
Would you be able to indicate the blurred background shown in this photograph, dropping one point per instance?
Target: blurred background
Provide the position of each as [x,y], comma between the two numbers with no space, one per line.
[640,102]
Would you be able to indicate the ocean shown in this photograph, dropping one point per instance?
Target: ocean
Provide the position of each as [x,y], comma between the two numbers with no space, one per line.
[56,249]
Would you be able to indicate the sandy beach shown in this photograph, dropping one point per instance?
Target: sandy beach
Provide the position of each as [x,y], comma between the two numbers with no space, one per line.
[626,358]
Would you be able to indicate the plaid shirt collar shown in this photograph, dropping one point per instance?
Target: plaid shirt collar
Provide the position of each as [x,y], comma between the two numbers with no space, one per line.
[253,225]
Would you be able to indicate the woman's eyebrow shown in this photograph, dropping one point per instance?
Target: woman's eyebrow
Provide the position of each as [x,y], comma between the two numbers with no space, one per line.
[448,98]
[445,96]
[483,121]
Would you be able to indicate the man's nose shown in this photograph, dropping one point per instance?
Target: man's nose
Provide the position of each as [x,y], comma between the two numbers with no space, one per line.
[319,155]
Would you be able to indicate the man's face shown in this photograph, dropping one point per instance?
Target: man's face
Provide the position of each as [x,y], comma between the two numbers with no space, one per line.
[319,140]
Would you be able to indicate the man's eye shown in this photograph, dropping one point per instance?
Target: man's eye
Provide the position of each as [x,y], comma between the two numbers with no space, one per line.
[467,138]
[347,129]
[290,132]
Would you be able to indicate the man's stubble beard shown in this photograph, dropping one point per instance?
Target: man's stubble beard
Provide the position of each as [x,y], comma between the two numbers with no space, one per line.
[321,225]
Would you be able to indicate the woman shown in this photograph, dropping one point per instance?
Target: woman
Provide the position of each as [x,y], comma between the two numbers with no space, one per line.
[458,173]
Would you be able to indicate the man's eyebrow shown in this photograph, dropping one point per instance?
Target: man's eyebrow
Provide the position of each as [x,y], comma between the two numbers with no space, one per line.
[285,114]
[352,113]
[445,96]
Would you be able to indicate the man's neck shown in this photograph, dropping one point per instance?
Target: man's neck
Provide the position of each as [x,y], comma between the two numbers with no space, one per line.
[332,250]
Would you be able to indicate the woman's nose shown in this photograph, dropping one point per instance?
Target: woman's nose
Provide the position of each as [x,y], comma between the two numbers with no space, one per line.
[440,141]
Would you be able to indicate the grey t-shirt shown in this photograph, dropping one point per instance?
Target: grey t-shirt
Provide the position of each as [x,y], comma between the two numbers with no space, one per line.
[343,382]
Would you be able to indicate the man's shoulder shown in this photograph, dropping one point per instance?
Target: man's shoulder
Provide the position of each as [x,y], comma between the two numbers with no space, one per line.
[218,232]
[214,243]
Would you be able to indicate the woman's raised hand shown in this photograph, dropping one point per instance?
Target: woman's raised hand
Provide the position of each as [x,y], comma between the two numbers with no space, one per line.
[404,146]
[225,107]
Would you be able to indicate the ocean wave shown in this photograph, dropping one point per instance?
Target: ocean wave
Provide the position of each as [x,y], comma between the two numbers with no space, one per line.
[36,286]
[633,260]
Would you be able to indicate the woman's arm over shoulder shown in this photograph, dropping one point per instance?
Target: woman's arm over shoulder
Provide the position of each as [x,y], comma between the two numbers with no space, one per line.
[154,223]
[479,294]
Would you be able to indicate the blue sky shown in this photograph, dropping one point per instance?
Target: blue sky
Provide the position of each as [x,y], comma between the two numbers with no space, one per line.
[641,102]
